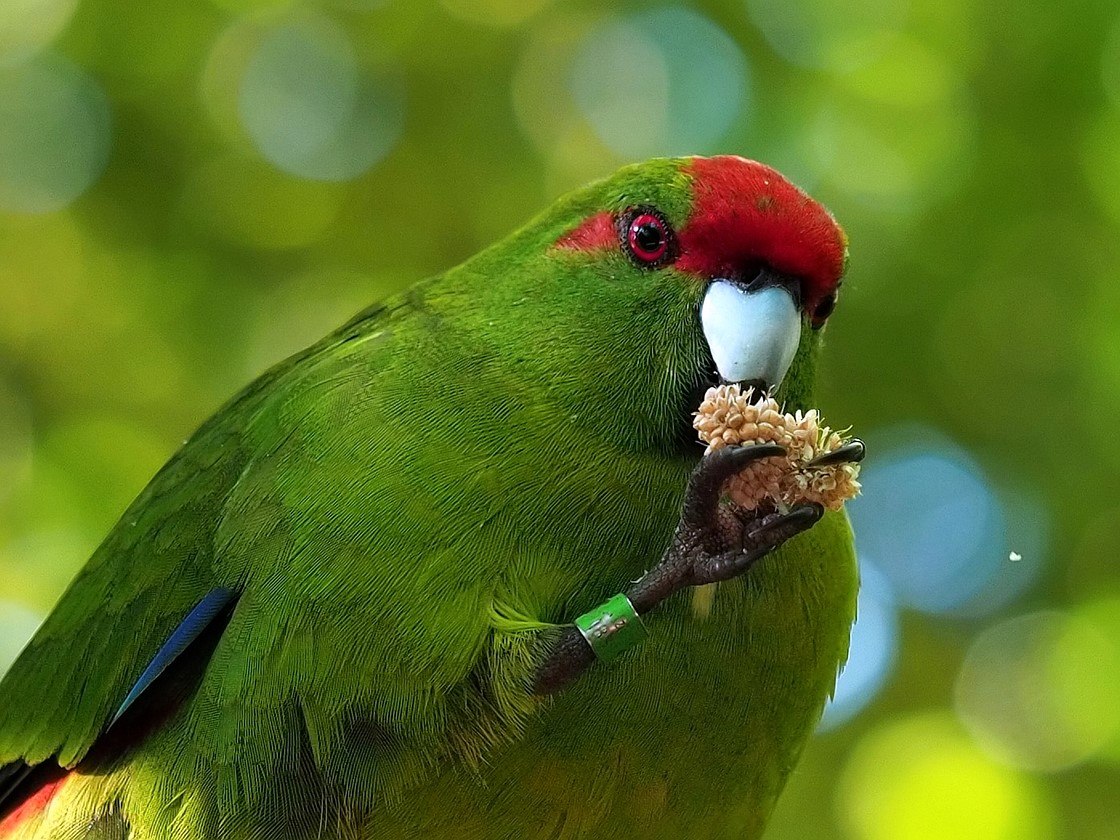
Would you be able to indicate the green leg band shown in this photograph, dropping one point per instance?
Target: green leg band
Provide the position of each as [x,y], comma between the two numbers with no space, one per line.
[612,627]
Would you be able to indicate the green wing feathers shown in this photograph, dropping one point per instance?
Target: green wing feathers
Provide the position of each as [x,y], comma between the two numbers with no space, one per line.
[352,646]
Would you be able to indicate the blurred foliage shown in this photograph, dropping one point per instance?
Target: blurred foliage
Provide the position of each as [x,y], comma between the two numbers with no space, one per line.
[192,189]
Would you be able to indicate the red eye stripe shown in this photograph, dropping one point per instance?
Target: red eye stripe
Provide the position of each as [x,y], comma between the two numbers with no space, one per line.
[641,232]
[594,232]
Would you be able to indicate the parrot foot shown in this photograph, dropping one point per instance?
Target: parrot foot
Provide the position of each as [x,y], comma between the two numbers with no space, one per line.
[759,539]
[712,542]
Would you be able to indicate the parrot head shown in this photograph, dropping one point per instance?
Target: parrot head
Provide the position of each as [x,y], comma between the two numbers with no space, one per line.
[632,296]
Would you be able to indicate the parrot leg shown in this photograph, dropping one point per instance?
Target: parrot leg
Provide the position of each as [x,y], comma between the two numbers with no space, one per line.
[712,543]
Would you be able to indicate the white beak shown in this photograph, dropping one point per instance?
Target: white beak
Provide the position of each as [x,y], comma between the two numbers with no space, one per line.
[751,334]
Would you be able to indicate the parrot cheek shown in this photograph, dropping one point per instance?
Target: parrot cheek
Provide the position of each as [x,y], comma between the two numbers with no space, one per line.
[752,335]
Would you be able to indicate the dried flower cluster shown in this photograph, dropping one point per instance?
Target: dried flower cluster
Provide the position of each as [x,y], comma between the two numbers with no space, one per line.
[727,416]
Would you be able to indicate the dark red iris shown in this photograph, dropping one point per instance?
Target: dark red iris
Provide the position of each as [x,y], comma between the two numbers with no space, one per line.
[648,237]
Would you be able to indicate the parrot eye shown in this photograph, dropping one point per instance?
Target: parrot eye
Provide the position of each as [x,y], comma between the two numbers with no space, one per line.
[647,237]
[823,310]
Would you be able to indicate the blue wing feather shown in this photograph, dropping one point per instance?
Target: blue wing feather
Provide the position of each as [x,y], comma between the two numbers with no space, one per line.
[14,775]
[188,630]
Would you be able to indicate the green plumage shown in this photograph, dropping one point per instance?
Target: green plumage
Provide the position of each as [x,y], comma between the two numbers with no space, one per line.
[407,508]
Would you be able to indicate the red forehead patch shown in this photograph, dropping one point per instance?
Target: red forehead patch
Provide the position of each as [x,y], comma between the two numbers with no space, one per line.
[744,212]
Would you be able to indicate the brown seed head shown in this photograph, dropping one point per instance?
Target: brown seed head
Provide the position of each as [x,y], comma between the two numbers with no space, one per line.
[728,417]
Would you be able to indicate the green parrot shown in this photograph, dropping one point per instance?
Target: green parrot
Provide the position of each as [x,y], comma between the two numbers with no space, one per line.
[434,576]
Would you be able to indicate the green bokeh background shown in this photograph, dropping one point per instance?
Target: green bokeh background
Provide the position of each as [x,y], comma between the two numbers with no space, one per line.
[162,242]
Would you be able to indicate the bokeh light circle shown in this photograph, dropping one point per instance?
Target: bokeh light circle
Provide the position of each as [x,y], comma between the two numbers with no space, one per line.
[61,145]
[932,523]
[836,35]
[1019,561]
[309,107]
[874,646]
[1041,691]
[895,133]
[498,13]
[542,104]
[1101,162]
[922,778]
[1103,613]
[249,6]
[1110,64]
[17,625]
[26,26]
[663,82]
[15,439]
[249,203]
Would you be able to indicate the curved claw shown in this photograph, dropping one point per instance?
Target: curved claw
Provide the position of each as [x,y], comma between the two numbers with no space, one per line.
[774,531]
[702,497]
[786,525]
[728,565]
[716,468]
[850,453]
